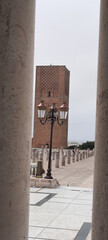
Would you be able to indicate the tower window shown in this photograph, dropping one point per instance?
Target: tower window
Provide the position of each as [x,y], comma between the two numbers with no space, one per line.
[49,94]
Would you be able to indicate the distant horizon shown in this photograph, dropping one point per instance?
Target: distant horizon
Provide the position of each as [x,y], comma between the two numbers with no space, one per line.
[80,141]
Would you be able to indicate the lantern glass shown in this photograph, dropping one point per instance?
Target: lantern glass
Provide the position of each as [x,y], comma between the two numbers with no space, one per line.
[41,113]
[63,115]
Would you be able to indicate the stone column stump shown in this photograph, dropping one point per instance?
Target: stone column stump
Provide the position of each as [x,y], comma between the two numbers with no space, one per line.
[63,160]
[57,160]
[68,157]
[80,156]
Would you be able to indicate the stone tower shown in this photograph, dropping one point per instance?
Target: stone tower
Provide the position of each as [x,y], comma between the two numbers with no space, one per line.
[52,86]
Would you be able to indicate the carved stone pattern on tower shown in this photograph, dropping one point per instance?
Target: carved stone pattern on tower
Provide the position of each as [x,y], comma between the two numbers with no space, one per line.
[49,78]
[51,82]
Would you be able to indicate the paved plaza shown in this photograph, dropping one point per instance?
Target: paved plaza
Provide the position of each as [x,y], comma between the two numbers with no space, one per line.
[64,212]
[78,174]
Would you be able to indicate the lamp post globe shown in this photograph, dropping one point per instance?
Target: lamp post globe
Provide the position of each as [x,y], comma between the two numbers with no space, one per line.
[41,110]
[63,111]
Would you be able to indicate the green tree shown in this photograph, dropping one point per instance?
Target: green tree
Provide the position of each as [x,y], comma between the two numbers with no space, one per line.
[87,145]
[84,146]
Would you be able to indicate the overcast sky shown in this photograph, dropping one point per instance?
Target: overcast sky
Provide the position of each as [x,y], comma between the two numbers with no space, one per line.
[67,34]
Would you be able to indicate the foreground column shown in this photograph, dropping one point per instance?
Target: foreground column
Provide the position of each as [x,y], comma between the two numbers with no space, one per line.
[100,203]
[16,81]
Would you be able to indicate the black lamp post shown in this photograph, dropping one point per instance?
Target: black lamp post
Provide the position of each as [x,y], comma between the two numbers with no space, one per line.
[51,116]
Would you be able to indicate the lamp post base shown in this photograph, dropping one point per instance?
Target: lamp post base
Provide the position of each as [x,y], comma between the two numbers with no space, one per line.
[48,177]
[48,174]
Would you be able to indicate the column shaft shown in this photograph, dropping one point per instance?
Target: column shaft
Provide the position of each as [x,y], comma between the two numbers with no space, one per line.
[100,202]
[16,90]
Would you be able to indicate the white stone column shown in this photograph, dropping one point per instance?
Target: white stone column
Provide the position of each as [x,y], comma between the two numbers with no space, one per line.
[54,155]
[73,158]
[63,163]
[86,155]
[61,155]
[83,154]
[80,155]
[100,202]
[68,156]
[57,158]
[16,96]
[77,155]
[88,152]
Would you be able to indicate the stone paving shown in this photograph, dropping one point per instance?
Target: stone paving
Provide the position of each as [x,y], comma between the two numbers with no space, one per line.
[76,174]
[61,216]
[60,213]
